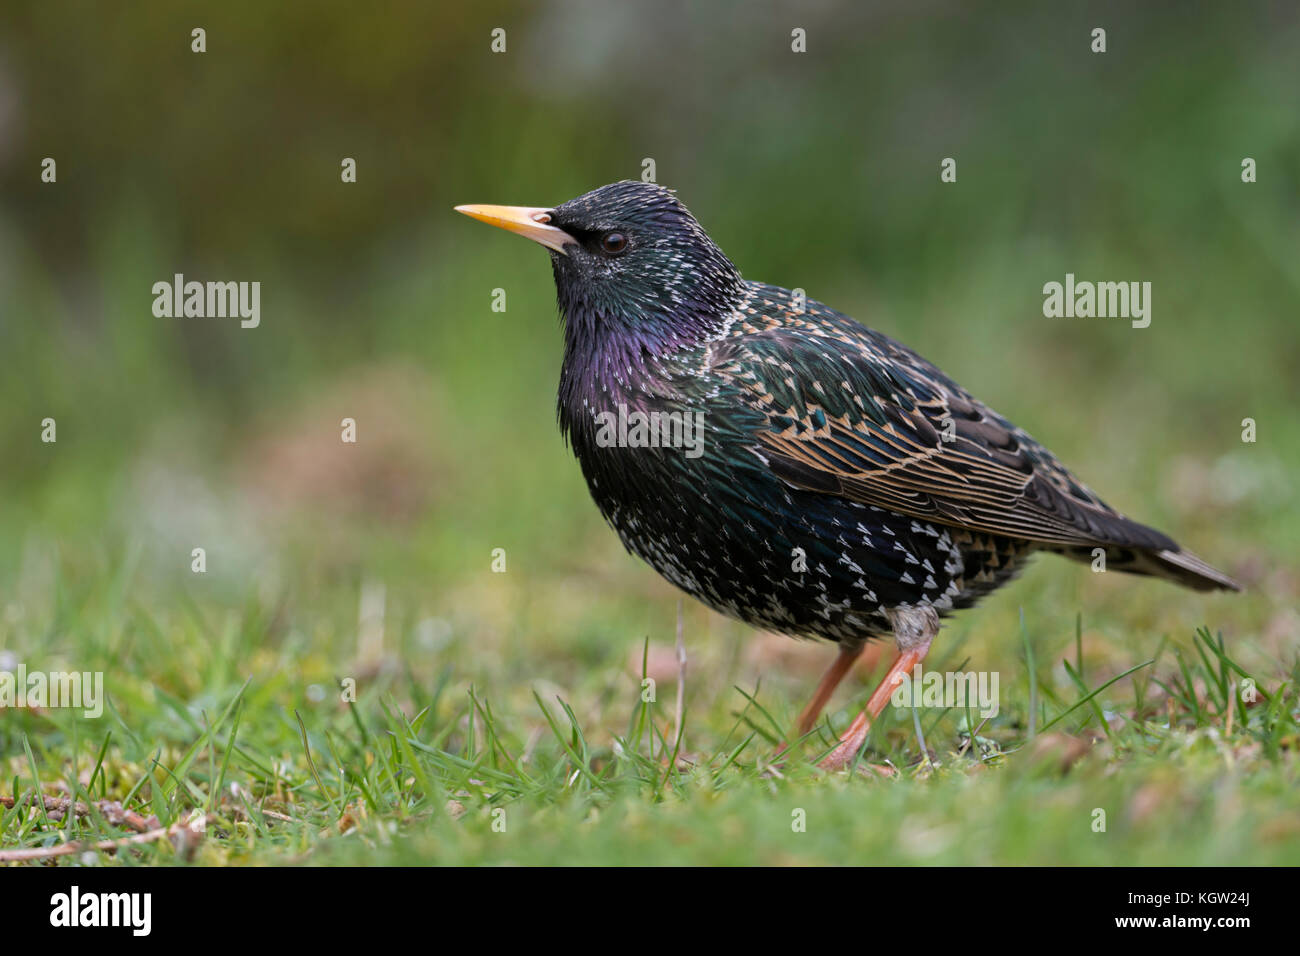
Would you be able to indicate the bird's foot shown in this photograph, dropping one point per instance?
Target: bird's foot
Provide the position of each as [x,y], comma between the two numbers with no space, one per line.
[853,739]
[850,744]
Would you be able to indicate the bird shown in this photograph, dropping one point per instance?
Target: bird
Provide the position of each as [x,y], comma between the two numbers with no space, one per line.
[785,464]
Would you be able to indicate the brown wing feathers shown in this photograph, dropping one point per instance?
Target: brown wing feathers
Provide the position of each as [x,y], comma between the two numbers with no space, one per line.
[940,455]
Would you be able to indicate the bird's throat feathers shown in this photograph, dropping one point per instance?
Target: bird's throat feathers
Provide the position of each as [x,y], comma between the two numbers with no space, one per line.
[617,351]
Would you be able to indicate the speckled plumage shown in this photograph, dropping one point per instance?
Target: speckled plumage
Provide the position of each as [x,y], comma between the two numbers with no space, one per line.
[842,476]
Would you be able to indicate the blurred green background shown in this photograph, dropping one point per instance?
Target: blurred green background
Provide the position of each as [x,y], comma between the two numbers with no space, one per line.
[818,170]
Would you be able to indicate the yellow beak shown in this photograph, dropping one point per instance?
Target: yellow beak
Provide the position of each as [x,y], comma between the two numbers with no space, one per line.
[528,221]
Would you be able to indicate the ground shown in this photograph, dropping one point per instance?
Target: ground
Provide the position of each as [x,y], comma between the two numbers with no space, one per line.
[512,727]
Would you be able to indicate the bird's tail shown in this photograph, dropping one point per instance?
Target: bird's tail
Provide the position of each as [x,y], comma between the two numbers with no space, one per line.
[1172,564]
[1185,568]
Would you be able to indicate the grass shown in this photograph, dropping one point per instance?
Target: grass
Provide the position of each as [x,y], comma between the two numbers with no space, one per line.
[237,715]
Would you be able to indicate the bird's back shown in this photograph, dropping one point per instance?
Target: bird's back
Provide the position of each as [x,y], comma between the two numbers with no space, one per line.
[855,414]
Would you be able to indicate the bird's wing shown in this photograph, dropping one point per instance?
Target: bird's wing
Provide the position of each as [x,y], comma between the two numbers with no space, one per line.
[849,412]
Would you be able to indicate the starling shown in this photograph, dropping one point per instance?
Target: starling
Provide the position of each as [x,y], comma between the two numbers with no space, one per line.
[786,465]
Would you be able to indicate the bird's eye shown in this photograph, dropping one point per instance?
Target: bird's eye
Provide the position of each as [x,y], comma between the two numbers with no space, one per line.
[613,243]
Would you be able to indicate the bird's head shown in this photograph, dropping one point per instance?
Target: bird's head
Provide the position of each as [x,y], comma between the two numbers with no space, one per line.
[631,266]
